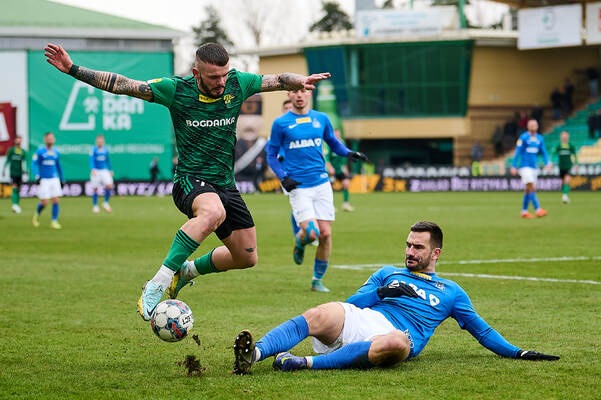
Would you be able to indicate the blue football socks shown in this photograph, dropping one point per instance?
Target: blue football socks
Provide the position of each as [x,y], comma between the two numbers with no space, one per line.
[283,337]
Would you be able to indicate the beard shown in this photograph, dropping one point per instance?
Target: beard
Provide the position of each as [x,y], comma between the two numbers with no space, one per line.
[204,88]
[421,264]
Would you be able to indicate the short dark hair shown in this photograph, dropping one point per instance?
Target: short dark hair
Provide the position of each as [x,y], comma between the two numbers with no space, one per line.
[48,133]
[287,101]
[435,232]
[212,53]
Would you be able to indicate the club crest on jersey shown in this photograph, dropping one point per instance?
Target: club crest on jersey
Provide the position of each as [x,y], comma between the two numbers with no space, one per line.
[439,285]
[227,98]
[302,143]
[316,124]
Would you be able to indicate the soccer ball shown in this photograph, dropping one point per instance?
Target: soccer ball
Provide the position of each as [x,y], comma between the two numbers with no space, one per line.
[171,320]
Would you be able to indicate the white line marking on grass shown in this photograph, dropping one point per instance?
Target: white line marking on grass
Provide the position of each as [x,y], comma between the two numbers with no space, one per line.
[506,260]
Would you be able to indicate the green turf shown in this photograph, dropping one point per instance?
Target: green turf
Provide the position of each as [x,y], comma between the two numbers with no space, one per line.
[70,329]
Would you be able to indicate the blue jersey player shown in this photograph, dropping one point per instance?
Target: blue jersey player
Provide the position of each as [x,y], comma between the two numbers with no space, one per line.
[101,175]
[388,320]
[46,168]
[530,144]
[300,133]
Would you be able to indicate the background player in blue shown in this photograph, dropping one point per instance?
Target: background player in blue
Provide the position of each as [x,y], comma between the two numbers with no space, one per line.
[388,320]
[46,168]
[300,133]
[530,144]
[101,175]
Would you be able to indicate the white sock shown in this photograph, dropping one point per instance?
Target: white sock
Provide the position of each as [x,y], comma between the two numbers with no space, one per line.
[309,362]
[256,355]
[163,276]
[190,270]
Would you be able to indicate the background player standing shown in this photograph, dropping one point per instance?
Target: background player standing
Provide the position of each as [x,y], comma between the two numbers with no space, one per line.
[388,320]
[338,168]
[300,133]
[101,175]
[530,144]
[46,168]
[15,157]
[204,109]
[566,154]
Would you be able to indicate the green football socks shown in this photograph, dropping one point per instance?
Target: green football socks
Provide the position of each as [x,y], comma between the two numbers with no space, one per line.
[15,196]
[182,246]
[345,195]
[204,265]
[565,189]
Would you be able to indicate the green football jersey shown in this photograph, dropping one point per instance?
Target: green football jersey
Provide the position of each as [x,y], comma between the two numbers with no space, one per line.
[567,156]
[15,157]
[205,128]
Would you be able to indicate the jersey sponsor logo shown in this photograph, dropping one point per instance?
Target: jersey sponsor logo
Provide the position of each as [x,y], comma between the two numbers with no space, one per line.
[207,99]
[303,120]
[302,143]
[532,150]
[207,123]
[430,298]
[48,162]
[227,98]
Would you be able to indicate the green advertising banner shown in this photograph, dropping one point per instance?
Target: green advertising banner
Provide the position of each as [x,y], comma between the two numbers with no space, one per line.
[135,131]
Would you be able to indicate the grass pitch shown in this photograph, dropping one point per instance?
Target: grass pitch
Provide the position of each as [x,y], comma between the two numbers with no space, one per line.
[70,329]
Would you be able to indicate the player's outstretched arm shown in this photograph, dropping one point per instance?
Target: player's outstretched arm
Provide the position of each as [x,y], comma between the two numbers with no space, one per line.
[107,81]
[289,81]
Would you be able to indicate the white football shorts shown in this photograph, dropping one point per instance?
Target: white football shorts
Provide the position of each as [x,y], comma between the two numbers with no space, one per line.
[528,175]
[102,178]
[49,188]
[360,324]
[313,203]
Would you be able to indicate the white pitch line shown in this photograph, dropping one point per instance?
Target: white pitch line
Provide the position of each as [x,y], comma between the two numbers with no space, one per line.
[506,260]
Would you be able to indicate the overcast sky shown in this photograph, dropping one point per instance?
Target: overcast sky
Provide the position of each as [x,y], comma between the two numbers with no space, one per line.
[286,21]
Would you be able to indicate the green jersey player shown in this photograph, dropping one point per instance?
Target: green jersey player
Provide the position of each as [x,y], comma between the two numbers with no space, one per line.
[566,154]
[204,109]
[15,157]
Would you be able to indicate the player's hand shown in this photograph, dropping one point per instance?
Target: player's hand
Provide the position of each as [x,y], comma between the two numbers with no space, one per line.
[534,356]
[513,171]
[112,173]
[548,167]
[57,56]
[289,184]
[310,81]
[357,155]
[396,289]
[93,172]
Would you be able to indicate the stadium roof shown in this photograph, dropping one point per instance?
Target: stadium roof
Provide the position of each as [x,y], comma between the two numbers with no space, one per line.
[33,18]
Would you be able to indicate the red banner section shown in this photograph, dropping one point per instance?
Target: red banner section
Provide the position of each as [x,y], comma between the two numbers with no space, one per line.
[8,128]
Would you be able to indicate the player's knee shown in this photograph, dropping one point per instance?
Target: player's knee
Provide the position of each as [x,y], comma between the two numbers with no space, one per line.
[250,259]
[312,231]
[390,349]
[211,217]
[317,317]
[324,235]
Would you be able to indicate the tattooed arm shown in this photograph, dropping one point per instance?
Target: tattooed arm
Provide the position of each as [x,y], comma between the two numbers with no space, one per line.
[288,81]
[107,81]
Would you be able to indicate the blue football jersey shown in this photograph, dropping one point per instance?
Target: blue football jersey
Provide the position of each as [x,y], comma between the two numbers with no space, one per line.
[418,317]
[527,150]
[99,158]
[301,139]
[46,164]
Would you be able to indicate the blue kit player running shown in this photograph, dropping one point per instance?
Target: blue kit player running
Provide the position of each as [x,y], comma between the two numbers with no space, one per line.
[101,175]
[46,168]
[530,144]
[388,320]
[301,133]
